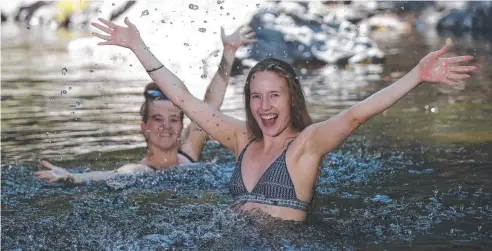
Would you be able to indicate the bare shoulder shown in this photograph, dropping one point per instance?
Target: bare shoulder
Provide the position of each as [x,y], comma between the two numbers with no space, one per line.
[244,136]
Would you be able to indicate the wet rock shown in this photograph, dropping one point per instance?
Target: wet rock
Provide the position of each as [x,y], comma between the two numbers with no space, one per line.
[476,17]
[299,33]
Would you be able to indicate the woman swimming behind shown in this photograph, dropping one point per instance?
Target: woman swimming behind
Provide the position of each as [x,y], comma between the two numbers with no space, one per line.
[162,125]
[278,149]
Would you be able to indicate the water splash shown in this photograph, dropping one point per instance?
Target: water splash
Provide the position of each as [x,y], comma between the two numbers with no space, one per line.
[144,13]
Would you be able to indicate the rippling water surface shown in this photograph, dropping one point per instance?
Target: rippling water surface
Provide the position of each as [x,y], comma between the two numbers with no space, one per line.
[416,177]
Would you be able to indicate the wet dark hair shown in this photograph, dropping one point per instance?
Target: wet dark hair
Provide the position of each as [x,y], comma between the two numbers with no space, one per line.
[299,116]
[151,93]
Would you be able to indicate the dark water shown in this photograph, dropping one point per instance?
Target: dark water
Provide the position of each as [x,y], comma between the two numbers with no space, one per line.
[417,177]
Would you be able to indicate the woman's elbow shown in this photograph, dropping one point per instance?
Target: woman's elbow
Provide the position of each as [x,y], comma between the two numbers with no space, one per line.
[355,118]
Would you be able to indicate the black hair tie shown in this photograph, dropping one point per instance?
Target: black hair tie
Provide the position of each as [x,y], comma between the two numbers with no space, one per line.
[149,71]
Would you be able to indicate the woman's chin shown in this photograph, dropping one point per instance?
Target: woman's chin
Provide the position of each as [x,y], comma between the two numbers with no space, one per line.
[269,131]
[165,145]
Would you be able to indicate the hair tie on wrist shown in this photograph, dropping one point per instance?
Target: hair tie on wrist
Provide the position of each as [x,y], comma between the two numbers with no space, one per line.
[149,71]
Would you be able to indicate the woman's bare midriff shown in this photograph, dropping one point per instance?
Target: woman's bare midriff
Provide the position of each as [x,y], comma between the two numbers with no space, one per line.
[284,213]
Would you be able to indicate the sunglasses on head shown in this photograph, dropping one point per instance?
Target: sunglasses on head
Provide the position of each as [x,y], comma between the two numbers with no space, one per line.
[156,94]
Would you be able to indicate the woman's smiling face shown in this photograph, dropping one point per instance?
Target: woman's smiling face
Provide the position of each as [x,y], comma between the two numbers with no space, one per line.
[270,102]
[164,125]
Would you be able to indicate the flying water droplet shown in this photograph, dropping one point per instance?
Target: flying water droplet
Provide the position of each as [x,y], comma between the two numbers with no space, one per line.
[64,71]
[145,13]
[193,7]
[186,44]
[63,92]
[204,76]
[202,29]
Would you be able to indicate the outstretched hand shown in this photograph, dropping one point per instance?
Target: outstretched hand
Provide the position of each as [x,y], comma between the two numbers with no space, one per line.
[54,174]
[127,37]
[242,35]
[433,68]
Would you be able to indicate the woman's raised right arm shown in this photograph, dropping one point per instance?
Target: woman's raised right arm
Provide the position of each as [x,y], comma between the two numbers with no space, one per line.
[228,131]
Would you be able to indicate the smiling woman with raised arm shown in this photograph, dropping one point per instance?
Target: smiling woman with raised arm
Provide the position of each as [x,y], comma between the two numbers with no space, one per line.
[278,149]
[162,125]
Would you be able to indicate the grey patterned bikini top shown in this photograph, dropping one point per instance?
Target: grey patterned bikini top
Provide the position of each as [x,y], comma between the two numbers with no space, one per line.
[275,187]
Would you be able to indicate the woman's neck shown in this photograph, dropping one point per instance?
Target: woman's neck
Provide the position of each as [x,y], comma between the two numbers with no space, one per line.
[161,159]
[280,141]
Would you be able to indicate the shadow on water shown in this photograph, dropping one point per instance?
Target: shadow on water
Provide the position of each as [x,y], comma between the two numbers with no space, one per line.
[416,177]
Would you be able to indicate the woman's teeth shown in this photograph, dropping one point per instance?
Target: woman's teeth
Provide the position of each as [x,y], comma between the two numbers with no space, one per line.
[270,116]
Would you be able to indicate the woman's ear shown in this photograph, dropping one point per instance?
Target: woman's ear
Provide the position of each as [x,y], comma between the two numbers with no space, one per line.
[143,129]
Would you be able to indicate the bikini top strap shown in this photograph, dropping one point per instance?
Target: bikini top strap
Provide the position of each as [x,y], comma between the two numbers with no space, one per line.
[288,144]
[186,156]
[244,150]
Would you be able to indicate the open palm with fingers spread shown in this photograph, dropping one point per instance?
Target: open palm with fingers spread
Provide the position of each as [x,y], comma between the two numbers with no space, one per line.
[127,37]
[433,68]
[54,174]
[242,35]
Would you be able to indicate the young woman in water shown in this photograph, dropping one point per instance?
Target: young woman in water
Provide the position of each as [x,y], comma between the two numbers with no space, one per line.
[162,125]
[278,149]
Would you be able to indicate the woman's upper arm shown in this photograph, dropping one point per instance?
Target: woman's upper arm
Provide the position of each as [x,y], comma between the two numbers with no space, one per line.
[323,137]
[194,142]
[131,168]
[225,129]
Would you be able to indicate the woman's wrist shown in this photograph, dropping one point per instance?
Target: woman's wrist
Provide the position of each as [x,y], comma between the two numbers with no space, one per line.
[230,48]
[138,46]
[416,75]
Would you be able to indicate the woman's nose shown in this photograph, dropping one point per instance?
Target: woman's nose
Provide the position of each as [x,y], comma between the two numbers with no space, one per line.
[164,125]
[265,104]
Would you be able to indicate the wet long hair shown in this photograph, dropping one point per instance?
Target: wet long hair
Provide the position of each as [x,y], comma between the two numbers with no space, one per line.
[151,93]
[299,116]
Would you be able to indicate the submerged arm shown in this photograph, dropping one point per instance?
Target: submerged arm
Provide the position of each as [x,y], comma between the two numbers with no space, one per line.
[323,137]
[59,174]
[80,178]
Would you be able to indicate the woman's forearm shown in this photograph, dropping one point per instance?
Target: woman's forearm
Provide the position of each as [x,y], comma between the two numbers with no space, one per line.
[80,178]
[216,90]
[386,97]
